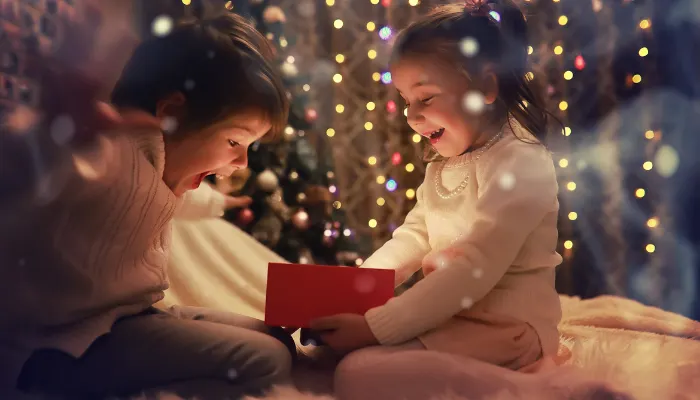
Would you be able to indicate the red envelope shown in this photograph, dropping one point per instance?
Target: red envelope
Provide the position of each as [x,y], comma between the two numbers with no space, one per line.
[298,293]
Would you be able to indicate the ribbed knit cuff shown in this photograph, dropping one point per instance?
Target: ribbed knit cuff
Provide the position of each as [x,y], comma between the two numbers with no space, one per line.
[386,325]
[217,204]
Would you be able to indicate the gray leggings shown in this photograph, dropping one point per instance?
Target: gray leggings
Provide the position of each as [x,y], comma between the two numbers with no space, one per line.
[191,352]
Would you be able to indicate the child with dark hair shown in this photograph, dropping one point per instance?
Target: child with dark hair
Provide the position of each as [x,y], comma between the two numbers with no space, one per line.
[83,267]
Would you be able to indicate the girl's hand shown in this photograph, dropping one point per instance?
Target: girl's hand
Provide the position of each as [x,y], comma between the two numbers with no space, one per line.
[237,202]
[344,332]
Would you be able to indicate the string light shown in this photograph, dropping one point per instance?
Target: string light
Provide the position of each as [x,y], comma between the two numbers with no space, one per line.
[339,108]
[381,179]
[339,58]
[371,26]
[338,23]
[186,2]
[568,245]
[643,52]
[330,3]
[412,3]
[306,87]
[372,54]
[639,193]
[530,50]
[573,216]
[653,222]
[372,223]
[374,1]
[650,248]
[637,78]
[416,138]
[368,126]
[563,163]
[372,160]
[645,24]
[330,132]
[563,106]
[571,186]
[563,20]
[370,106]
[337,78]
[649,134]
[376,76]
[558,50]
[648,165]
[381,201]
[410,167]
[568,75]
[410,194]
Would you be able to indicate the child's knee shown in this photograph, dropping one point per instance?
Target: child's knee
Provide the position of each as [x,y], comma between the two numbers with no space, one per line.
[272,362]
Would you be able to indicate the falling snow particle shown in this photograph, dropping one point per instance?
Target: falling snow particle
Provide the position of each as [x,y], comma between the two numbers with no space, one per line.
[469,46]
[365,283]
[169,125]
[474,102]
[211,54]
[506,181]
[666,161]
[232,374]
[189,84]
[467,302]
[477,273]
[581,165]
[62,129]
[162,25]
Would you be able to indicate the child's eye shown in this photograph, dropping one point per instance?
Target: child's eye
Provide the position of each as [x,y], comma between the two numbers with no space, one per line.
[233,143]
[427,100]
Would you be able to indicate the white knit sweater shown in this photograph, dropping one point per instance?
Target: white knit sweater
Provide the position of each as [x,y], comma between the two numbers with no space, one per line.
[503,226]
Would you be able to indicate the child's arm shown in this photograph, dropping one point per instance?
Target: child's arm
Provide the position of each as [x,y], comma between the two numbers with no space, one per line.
[504,217]
[407,247]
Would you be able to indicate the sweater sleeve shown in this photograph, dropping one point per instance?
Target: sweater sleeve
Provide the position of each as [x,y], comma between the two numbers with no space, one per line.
[204,202]
[407,247]
[505,214]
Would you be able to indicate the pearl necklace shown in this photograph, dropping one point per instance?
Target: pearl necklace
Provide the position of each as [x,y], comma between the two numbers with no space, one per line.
[440,189]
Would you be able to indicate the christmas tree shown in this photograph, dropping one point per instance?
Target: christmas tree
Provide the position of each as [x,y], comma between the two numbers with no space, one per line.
[294,210]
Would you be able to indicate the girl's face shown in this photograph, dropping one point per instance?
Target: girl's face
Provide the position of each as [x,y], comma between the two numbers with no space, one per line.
[218,149]
[434,93]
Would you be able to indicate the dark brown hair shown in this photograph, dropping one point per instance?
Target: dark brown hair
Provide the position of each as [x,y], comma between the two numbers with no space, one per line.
[500,31]
[222,65]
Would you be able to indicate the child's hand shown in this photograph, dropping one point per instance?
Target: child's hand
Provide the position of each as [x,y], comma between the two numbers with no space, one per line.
[237,202]
[344,332]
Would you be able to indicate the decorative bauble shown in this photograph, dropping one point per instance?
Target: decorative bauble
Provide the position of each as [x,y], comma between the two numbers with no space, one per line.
[311,115]
[289,70]
[300,219]
[267,181]
[245,217]
[274,14]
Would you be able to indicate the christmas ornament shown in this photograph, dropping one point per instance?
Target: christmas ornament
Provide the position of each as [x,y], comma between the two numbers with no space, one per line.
[267,181]
[274,14]
[301,220]
[233,183]
[245,217]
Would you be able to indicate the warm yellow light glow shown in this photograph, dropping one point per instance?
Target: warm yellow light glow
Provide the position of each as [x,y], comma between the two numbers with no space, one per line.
[372,160]
[306,87]
[186,2]
[370,106]
[563,105]
[653,222]
[563,20]
[651,248]
[410,193]
[405,114]
[371,26]
[563,163]
[337,78]
[337,205]
[649,134]
[530,50]
[338,23]
[381,201]
[568,75]
[372,223]
[368,126]
[339,58]
[372,54]
[410,167]
[330,132]
[648,165]
[330,3]
[381,179]
[637,78]
[644,24]
[416,138]
[530,76]
[571,186]
[376,76]
[566,131]
[374,1]
[573,216]
[412,3]
[558,50]
[643,52]
[339,108]
[640,193]
[568,245]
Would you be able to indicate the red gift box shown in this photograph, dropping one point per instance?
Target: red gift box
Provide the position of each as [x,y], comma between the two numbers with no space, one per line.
[298,293]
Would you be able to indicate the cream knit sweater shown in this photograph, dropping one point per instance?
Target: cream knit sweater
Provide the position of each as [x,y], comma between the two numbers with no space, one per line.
[502,228]
[93,251]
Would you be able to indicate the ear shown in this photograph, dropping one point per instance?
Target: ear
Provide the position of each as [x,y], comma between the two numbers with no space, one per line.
[489,82]
[172,105]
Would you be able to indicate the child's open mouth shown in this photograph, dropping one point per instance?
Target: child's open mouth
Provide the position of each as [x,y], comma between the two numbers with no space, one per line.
[435,135]
[199,178]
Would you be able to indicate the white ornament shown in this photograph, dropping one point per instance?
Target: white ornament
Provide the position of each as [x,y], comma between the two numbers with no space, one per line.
[267,181]
[162,25]
[666,161]
[289,70]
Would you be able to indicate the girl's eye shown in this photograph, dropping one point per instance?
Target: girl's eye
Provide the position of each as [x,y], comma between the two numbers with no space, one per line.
[233,143]
[427,100]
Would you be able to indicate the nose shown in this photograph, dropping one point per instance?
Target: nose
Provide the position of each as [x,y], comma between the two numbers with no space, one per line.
[241,161]
[414,116]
